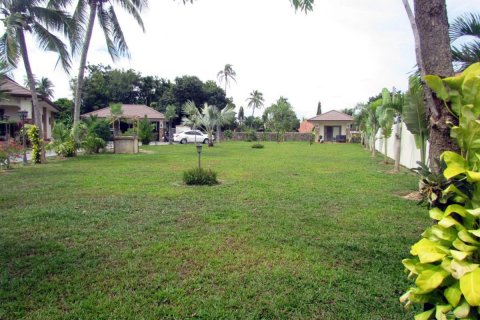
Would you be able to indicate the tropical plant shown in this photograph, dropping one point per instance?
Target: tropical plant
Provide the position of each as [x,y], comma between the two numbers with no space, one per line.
[9,149]
[116,114]
[226,75]
[228,134]
[280,118]
[390,108]
[192,116]
[145,131]
[255,101]
[45,87]
[92,143]
[62,142]
[98,127]
[170,114]
[86,12]
[414,116]
[36,142]
[28,16]
[467,25]
[372,122]
[224,117]
[241,115]
[257,146]
[446,260]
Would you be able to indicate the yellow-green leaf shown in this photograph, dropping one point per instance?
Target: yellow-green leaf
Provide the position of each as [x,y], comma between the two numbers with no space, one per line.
[436,84]
[474,212]
[447,222]
[425,315]
[476,233]
[460,268]
[460,245]
[428,251]
[453,294]
[470,287]
[430,279]
[466,237]
[459,255]
[455,208]
[452,171]
[462,310]
[436,213]
[441,311]
[473,176]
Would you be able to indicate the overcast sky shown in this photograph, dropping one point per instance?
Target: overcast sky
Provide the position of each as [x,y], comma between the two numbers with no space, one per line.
[340,54]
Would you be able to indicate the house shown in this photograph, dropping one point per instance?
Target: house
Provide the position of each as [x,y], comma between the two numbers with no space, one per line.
[332,126]
[16,98]
[132,113]
[305,127]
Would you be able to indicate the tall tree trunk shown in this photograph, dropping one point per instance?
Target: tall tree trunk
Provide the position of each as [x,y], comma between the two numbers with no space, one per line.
[33,91]
[436,57]
[170,140]
[385,144]
[83,62]
[219,132]
[398,144]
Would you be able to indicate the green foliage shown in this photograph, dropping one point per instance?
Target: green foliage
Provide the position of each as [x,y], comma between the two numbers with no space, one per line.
[8,149]
[99,127]
[257,146]
[145,131]
[466,26]
[93,143]
[280,118]
[446,260]
[251,135]
[66,111]
[63,142]
[36,141]
[199,176]
[228,134]
[414,115]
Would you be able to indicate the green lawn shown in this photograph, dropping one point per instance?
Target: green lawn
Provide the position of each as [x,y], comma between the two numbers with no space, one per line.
[293,232]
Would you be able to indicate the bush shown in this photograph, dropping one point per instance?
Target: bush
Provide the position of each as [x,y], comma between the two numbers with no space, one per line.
[9,149]
[145,131]
[36,141]
[251,135]
[200,177]
[63,142]
[445,262]
[228,134]
[257,146]
[93,143]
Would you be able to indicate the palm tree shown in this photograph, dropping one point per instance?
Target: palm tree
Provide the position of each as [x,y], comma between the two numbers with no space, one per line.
[226,75]
[45,87]
[170,114]
[386,115]
[20,16]
[372,122]
[241,115]
[468,53]
[86,12]
[116,113]
[224,117]
[255,101]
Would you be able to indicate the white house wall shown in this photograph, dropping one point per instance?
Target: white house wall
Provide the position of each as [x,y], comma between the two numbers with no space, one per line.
[409,154]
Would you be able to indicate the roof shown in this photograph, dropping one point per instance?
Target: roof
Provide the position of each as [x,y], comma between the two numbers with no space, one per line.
[333,115]
[130,111]
[12,88]
[305,127]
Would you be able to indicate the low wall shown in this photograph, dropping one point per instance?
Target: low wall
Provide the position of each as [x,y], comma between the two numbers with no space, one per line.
[271,136]
[125,144]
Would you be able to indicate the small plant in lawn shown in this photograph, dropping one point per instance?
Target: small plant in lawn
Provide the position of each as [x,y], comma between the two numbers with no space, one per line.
[228,134]
[93,143]
[200,176]
[257,146]
[446,260]
[145,131]
[251,135]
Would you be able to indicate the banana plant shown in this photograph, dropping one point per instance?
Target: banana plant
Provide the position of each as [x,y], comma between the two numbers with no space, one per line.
[414,115]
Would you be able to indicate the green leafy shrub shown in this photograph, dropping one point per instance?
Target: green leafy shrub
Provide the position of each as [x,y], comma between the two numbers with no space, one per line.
[63,142]
[257,146]
[100,127]
[228,134]
[251,135]
[145,131]
[93,143]
[36,142]
[9,149]
[446,261]
[198,176]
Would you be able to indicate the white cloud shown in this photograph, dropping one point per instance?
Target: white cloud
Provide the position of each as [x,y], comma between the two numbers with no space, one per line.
[342,53]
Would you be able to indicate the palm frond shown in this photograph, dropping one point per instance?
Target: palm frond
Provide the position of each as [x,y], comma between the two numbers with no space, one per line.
[9,48]
[105,23]
[303,5]
[133,7]
[465,25]
[466,55]
[117,33]
[50,42]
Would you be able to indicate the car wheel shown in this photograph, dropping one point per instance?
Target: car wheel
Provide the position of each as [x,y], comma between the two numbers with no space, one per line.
[183,141]
[205,141]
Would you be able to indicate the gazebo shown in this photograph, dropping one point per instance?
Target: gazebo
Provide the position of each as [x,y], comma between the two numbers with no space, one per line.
[131,113]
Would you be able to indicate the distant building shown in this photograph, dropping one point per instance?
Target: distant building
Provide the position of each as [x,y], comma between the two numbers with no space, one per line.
[305,127]
[332,126]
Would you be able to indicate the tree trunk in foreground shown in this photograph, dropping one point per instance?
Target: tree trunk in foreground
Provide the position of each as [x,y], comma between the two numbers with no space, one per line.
[33,91]
[432,23]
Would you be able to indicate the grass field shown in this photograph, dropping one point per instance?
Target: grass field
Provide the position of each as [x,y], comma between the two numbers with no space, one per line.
[293,232]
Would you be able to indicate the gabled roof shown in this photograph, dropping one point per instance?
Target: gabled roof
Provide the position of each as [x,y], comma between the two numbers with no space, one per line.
[332,115]
[130,111]
[13,89]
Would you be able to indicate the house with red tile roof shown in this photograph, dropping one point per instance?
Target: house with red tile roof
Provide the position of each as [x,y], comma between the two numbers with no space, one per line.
[131,113]
[332,126]
[18,98]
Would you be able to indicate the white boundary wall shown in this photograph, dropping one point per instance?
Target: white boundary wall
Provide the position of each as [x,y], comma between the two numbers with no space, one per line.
[409,154]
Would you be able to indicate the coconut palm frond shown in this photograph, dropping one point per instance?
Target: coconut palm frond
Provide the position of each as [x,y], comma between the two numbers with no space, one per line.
[50,42]
[116,31]
[465,25]
[134,8]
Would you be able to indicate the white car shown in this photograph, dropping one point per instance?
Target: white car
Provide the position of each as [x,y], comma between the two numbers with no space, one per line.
[191,136]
